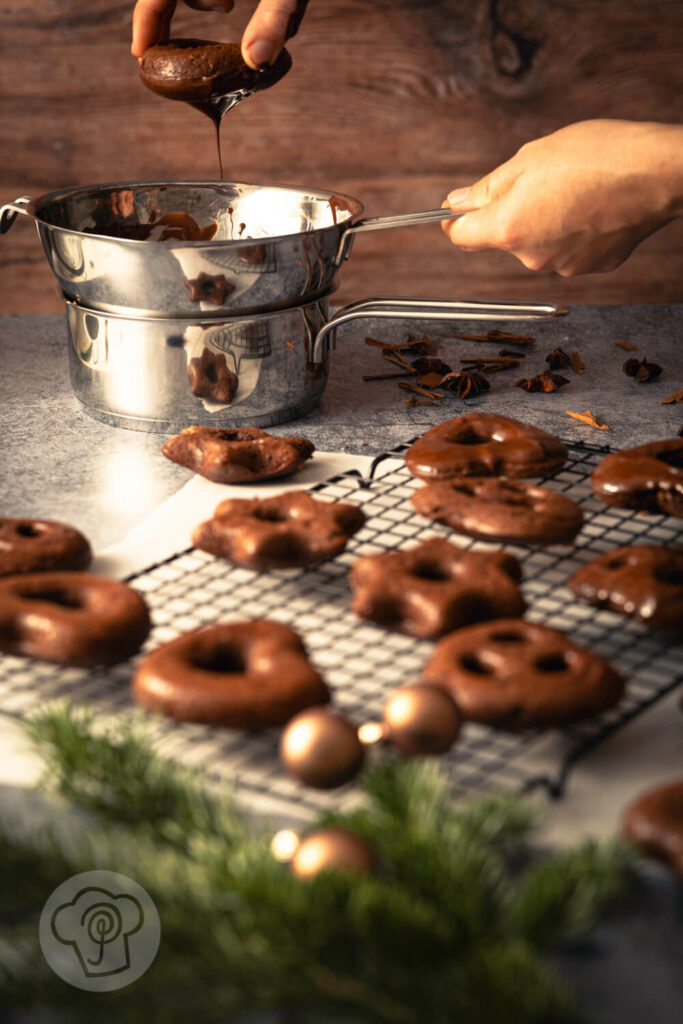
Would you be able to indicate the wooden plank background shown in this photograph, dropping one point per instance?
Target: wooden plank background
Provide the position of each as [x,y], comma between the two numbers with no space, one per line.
[393,101]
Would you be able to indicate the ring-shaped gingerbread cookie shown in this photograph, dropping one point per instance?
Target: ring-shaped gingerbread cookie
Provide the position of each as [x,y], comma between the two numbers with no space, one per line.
[482,444]
[244,675]
[38,545]
[648,477]
[494,508]
[71,618]
[514,674]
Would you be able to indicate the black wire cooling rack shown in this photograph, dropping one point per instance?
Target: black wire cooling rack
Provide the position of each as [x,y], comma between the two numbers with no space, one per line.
[363,663]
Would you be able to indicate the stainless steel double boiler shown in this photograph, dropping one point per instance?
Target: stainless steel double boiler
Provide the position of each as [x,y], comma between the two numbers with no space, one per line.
[208,302]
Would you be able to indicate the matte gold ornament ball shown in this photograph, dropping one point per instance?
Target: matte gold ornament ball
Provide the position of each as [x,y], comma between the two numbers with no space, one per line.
[321,749]
[421,719]
[332,849]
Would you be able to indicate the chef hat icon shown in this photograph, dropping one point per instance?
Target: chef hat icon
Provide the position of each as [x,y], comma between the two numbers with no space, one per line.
[97,924]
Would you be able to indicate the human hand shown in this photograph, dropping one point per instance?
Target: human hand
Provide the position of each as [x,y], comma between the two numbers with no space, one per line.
[577,201]
[273,22]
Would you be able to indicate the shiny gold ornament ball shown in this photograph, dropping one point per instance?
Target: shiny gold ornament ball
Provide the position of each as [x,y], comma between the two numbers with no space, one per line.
[421,719]
[321,749]
[332,849]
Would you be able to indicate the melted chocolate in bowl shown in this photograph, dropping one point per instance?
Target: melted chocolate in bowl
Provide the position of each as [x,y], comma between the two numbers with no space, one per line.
[211,76]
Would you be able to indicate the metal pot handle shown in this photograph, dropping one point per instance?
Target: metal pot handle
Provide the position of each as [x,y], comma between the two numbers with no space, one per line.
[400,220]
[9,212]
[433,309]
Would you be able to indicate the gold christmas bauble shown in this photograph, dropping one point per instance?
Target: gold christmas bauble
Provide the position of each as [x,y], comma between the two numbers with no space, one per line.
[332,849]
[421,719]
[321,749]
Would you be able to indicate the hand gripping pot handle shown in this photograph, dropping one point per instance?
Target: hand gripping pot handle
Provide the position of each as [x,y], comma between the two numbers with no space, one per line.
[10,211]
[432,309]
[399,220]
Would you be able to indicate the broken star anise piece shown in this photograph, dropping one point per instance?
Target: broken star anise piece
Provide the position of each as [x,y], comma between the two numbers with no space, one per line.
[558,359]
[641,370]
[545,381]
[467,383]
[429,364]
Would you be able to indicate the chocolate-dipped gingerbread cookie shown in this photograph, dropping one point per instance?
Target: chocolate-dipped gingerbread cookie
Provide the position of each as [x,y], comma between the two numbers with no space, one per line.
[642,581]
[481,444]
[648,477]
[237,456]
[514,674]
[497,509]
[436,587]
[654,822]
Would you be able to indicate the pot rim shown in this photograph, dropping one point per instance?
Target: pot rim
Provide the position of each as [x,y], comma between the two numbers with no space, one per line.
[356,209]
[190,320]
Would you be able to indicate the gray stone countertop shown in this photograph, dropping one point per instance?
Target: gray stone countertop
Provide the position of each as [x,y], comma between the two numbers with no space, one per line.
[59,463]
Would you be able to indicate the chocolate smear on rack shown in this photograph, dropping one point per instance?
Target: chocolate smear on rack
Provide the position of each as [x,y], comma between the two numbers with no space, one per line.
[211,76]
[545,381]
[641,370]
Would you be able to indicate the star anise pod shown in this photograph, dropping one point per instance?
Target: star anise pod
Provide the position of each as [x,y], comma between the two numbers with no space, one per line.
[641,370]
[467,383]
[545,381]
[558,359]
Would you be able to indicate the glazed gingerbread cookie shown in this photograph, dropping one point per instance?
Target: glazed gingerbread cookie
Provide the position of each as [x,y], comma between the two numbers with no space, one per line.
[36,545]
[71,618]
[288,531]
[245,675]
[481,444]
[649,478]
[436,587]
[642,581]
[514,674]
[237,456]
[497,509]
[199,70]
[654,822]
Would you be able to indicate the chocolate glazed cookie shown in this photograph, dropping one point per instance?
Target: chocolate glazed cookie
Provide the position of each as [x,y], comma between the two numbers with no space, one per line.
[481,444]
[71,618]
[233,456]
[435,587]
[649,477]
[502,510]
[36,545]
[245,675]
[514,674]
[643,582]
[288,531]
[654,822]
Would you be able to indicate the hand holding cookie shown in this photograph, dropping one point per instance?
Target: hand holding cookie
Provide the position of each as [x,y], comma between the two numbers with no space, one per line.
[273,23]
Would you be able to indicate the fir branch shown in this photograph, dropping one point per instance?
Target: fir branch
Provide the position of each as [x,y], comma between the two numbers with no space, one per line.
[563,897]
[451,926]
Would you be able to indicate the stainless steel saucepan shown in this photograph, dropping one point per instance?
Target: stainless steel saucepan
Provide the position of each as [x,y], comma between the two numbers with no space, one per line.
[116,247]
[165,374]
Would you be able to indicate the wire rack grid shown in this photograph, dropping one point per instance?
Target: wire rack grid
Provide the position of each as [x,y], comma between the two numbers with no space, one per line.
[363,663]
